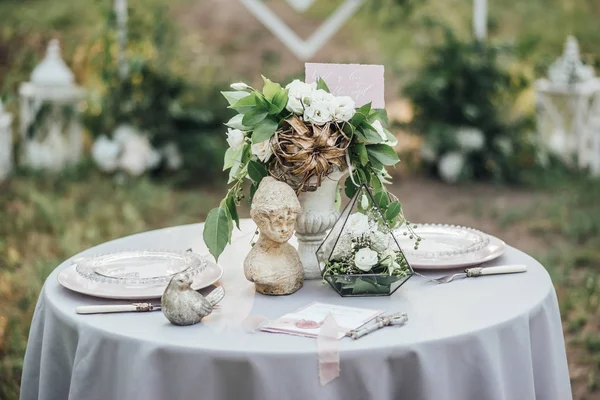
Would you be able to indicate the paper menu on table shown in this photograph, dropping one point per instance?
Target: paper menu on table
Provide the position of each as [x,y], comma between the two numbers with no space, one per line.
[307,320]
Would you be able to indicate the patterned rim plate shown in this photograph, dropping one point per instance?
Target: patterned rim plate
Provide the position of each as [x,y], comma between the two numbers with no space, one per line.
[128,289]
[449,246]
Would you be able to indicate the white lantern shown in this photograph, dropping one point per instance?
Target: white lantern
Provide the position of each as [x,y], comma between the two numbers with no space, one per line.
[6,143]
[566,105]
[51,133]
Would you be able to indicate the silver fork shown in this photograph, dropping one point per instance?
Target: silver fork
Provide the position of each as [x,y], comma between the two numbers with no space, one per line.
[478,271]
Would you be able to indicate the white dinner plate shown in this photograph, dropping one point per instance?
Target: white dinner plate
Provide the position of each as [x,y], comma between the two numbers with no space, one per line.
[449,246]
[73,280]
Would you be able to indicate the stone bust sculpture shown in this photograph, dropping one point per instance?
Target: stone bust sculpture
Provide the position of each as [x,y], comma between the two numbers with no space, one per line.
[273,264]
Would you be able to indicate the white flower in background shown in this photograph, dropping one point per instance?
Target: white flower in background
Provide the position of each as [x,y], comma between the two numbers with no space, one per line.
[357,224]
[428,153]
[262,150]
[172,156]
[105,154]
[137,154]
[342,108]
[318,114]
[450,166]
[364,259]
[470,139]
[239,86]
[236,123]
[235,138]
[384,137]
[505,145]
[298,91]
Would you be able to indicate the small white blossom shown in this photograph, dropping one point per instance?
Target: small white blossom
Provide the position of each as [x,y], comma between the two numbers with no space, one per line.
[318,114]
[380,241]
[299,94]
[470,139]
[342,108]
[262,150]
[450,166]
[105,154]
[235,138]
[173,157]
[364,202]
[365,259]
[239,86]
[357,224]
[343,247]
[505,145]
[384,137]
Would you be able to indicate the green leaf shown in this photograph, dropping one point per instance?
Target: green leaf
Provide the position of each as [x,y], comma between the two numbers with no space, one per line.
[216,231]
[349,188]
[253,189]
[382,199]
[234,97]
[264,130]
[279,102]
[361,115]
[366,285]
[232,209]
[370,133]
[253,117]
[231,156]
[257,171]
[245,104]
[377,185]
[322,85]
[361,151]
[393,210]
[270,89]
[383,153]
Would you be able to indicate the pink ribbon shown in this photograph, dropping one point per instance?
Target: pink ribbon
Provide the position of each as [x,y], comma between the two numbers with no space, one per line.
[328,350]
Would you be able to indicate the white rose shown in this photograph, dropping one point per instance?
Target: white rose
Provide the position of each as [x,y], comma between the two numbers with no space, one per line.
[235,138]
[105,153]
[357,224]
[298,91]
[318,114]
[239,86]
[342,108]
[470,139]
[384,137]
[262,150]
[236,123]
[320,96]
[450,166]
[365,259]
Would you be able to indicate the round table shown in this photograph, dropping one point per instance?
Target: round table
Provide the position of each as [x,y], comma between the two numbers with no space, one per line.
[496,338]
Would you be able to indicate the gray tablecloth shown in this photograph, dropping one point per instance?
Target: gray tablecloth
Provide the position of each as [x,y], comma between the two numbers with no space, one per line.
[491,338]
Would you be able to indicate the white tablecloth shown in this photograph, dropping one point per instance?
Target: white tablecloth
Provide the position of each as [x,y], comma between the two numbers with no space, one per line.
[490,338]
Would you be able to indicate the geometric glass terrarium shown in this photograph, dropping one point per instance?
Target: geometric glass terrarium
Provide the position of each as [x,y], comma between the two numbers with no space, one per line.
[360,256]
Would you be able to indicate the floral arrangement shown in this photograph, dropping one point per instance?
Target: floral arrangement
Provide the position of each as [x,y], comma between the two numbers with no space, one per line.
[299,134]
[361,255]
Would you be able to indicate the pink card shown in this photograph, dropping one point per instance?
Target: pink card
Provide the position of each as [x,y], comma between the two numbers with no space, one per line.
[364,83]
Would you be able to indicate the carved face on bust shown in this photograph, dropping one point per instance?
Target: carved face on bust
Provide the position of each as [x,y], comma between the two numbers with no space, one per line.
[277,225]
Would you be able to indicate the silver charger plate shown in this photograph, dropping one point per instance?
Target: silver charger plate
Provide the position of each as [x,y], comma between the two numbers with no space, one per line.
[449,246]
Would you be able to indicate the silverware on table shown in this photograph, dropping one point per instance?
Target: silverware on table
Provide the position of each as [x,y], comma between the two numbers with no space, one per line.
[115,308]
[378,323]
[479,271]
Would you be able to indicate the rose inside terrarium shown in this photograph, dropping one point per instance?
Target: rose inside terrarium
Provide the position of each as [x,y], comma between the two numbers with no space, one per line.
[364,246]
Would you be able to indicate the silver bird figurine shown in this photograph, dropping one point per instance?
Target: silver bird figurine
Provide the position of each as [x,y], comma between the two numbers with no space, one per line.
[182,305]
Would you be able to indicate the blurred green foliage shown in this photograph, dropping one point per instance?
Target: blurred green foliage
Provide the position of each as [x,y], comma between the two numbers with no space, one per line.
[465,84]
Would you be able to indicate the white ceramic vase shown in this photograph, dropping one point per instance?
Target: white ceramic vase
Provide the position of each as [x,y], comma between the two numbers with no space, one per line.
[318,215]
